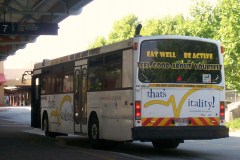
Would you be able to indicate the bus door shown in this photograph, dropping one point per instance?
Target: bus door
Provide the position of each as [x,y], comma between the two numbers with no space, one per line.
[36,101]
[80,97]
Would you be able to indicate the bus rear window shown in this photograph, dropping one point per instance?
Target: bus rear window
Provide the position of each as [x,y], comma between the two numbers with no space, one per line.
[179,61]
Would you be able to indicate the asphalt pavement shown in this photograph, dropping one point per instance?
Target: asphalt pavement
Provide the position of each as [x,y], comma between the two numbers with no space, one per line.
[18,141]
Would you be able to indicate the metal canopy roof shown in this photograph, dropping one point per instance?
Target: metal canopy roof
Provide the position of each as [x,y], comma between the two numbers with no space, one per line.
[33,11]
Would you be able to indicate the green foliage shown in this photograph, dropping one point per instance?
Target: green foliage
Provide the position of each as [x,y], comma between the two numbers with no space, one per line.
[99,41]
[203,23]
[168,25]
[228,16]
[234,124]
[220,22]
[123,29]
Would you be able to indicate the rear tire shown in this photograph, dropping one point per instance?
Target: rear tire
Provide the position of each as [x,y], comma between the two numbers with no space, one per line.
[45,124]
[93,132]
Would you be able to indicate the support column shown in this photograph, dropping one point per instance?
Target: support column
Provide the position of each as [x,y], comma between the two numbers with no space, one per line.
[1,85]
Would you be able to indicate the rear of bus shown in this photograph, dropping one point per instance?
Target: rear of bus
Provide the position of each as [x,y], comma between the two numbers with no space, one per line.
[180,89]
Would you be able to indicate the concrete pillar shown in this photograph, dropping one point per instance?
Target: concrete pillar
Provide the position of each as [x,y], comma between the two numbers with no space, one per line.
[1,85]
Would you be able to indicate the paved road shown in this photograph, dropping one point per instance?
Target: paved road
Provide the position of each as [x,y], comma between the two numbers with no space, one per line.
[19,141]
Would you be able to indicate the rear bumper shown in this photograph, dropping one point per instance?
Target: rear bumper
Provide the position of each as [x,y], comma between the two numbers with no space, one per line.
[180,132]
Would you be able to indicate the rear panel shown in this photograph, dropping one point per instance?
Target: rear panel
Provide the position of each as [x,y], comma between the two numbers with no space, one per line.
[179,82]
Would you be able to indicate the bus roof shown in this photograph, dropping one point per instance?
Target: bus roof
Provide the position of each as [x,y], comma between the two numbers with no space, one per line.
[84,54]
[112,47]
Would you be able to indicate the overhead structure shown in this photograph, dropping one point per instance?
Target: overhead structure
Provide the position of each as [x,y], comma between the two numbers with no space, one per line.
[22,21]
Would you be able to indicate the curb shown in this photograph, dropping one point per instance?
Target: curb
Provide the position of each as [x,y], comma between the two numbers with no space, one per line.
[234,134]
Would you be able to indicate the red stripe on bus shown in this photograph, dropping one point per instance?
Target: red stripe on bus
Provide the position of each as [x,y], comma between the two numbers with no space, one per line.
[203,120]
[193,122]
[159,120]
[146,121]
[169,122]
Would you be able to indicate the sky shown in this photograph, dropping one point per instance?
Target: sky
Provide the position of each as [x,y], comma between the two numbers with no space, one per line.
[96,19]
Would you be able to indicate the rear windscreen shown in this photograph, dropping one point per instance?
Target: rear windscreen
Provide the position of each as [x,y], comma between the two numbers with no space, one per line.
[179,61]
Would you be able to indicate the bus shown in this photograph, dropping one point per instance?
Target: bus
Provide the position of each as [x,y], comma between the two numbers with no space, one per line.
[162,89]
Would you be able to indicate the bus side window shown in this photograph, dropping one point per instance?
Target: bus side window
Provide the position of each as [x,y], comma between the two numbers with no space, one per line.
[48,85]
[113,71]
[68,83]
[95,74]
[95,78]
[58,84]
[47,81]
[43,88]
[52,87]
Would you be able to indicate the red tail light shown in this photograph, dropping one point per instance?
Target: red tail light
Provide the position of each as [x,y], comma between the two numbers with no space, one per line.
[138,110]
[222,110]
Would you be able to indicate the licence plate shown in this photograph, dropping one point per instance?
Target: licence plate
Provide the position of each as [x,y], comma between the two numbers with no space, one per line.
[181,121]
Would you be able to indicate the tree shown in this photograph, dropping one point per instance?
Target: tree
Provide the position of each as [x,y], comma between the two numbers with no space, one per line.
[166,26]
[228,15]
[221,23]
[99,41]
[123,29]
[204,23]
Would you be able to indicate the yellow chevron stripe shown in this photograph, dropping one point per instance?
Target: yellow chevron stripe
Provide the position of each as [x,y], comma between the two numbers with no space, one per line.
[154,120]
[164,121]
[208,121]
[197,121]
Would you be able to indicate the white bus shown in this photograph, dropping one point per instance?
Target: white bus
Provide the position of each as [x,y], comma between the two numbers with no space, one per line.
[162,89]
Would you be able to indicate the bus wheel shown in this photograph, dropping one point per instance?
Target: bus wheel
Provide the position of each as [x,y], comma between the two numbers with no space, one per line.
[165,144]
[93,132]
[46,127]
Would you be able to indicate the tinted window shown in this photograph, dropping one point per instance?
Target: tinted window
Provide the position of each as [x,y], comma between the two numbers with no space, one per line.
[105,72]
[179,61]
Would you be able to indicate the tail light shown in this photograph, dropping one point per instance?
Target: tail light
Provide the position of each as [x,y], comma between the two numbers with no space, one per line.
[222,110]
[135,46]
[222,49]
[138,110]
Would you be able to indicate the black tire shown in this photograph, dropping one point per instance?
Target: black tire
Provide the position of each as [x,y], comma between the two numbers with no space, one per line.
[93,132]
[165,144]
[45,127]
